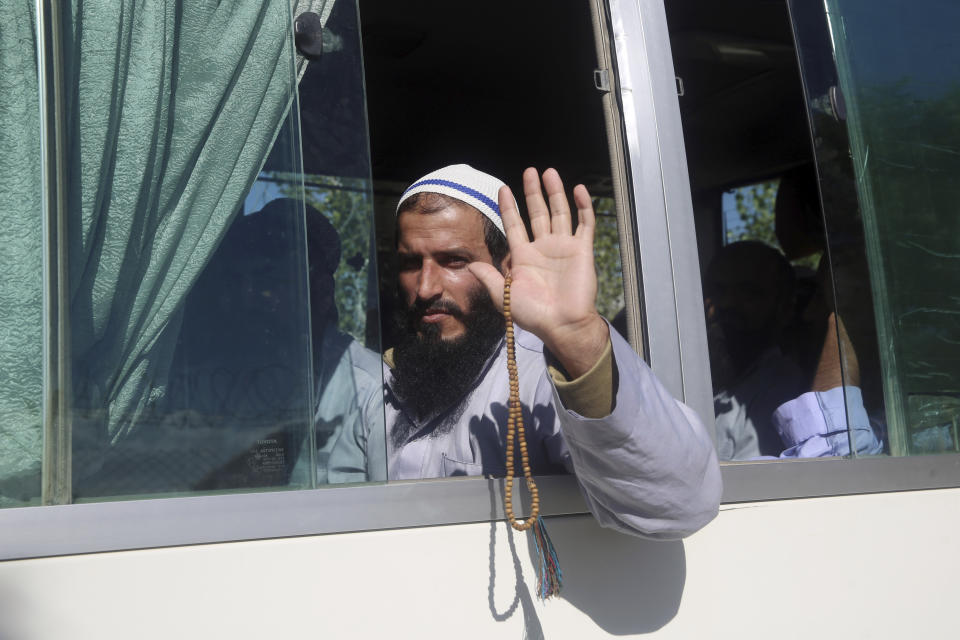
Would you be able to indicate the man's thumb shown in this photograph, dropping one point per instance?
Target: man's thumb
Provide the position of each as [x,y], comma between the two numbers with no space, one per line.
[491,278]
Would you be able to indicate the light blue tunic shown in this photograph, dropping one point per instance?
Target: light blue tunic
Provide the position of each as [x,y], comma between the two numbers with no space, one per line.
[649,468]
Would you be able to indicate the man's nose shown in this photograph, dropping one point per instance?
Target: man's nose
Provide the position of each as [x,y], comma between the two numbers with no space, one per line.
[430,285]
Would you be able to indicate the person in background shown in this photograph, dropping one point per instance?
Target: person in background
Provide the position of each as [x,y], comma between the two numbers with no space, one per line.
[771,402]
[347,378]
[749,299]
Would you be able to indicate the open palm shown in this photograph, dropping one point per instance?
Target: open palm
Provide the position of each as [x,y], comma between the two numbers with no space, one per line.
[554,288]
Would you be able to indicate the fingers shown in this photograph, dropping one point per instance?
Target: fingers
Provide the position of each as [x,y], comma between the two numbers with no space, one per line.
[556,218]
[491,279]
[560,222]
[536,206]
[587,220]
[512,222]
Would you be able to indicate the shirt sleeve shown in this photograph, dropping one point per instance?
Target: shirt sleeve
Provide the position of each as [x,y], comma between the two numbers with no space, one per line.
[590,395]
[648,467]
[815,425]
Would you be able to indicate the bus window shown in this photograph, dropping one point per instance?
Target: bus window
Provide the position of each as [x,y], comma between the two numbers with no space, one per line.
[437,83]
[886,138]
[275,353]
[227,230]
[785,372]
[194,318]
[822,200]
[189,314]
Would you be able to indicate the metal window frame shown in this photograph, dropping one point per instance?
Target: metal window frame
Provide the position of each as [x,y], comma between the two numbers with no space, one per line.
[663,208]
[677,352]
[33,532]
[56,461]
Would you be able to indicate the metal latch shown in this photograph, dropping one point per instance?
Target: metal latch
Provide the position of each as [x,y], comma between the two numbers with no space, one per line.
[601,79]
[680,89]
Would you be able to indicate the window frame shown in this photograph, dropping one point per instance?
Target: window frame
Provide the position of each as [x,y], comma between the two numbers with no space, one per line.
[774,479]
[645,88]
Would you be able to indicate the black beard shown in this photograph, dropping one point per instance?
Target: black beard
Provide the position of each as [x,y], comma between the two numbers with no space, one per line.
[431,374]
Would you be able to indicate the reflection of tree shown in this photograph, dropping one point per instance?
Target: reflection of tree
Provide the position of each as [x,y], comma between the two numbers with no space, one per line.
[756,204]
[607,256]
[348,204]
[909,143]
[914,141]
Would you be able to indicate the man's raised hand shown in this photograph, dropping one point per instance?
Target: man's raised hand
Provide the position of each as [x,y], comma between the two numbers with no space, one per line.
[554,288]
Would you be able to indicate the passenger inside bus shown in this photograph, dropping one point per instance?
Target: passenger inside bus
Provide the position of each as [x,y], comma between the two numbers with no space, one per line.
[768,400]
[749,291]
[235,394]
[346,374]
[753,176]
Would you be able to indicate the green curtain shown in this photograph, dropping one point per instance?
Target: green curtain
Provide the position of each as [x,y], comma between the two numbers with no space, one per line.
[172,107]
[21,255]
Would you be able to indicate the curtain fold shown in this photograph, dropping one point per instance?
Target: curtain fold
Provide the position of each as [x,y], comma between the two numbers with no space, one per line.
[176,107]
[172,107]
[21,258]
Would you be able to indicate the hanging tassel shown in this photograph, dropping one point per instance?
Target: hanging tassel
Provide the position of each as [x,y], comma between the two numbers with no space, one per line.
[549,575]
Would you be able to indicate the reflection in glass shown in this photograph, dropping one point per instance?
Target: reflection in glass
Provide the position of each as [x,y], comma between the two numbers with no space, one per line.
[347,368]
[344,300]
[193,361]
[776,364]
[606,249]
[238,404]
[898,70]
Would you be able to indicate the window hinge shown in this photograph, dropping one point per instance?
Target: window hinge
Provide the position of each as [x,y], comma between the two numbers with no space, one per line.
[601,79]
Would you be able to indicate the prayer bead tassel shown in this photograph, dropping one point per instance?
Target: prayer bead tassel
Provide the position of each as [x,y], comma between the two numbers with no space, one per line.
[549,576]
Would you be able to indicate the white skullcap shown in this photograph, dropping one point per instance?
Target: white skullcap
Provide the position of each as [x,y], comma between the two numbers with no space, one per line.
[464,183]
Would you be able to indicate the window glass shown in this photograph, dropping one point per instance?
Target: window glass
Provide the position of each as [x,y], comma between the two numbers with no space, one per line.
[338,193]
[606,247]
[883,85]
[21,260]
[189,316]
[222,326]
[772,326]
[275,357]
[748,213]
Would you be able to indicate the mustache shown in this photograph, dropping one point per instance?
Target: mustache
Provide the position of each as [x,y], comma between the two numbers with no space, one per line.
[420,308]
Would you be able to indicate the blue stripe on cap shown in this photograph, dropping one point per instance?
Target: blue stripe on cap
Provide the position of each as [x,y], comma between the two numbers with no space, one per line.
[459,187]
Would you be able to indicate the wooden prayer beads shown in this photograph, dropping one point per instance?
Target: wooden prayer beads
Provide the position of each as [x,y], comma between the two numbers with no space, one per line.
[515,418]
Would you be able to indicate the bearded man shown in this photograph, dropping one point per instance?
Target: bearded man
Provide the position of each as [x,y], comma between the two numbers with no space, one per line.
[590,404]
